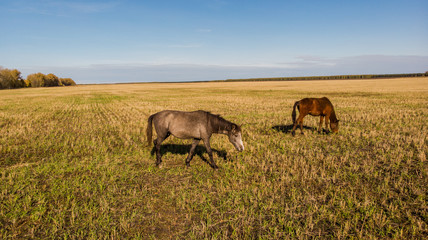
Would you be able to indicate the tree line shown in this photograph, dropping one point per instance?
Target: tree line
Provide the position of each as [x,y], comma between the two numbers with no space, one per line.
[335,77]
[12,78]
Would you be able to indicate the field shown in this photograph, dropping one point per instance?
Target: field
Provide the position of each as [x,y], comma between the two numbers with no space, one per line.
[74,163]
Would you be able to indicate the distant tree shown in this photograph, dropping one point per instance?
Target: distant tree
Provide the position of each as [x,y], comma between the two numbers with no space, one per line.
[27,83]
[11,78]
[67,81]
[36,79]
[52,81]
[2,84]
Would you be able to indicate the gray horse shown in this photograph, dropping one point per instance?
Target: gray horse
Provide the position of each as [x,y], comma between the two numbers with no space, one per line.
[197,125]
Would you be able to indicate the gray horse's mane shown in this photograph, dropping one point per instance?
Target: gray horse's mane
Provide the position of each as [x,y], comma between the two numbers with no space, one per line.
[219,121]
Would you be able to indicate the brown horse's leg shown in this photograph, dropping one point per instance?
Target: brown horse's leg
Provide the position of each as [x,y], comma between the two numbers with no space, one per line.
[293,132]
[299,121]
[320,126]
[192,151]
[210,153]
[326,123]
[301,126]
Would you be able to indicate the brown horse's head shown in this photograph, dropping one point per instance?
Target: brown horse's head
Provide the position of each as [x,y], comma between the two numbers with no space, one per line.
[334,126]
[235,137]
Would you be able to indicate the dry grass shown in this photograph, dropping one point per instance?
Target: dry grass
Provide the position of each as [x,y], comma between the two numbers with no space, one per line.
[73,163]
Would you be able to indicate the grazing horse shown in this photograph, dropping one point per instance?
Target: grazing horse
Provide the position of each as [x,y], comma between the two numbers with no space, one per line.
[315,107]
[197,125]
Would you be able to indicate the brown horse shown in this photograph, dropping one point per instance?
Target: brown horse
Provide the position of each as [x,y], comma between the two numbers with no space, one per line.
[315,107]
[197,125]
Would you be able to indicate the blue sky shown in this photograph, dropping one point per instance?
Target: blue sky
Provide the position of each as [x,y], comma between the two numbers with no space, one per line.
[190,40]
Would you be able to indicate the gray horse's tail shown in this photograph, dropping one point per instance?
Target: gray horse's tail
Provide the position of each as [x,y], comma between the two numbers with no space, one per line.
[149,130]
[293,115]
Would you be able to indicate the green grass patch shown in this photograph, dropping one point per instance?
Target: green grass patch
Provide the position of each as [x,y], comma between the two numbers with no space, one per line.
[74,165]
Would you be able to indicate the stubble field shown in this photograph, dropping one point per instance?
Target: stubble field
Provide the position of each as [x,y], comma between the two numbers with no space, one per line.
[74,163]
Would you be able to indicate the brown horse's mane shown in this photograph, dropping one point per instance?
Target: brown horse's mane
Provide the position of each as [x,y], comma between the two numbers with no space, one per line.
[218,123]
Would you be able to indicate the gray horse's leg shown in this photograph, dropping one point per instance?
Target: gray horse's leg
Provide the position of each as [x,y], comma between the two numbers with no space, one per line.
[192,151]
[210,153]
[158,141]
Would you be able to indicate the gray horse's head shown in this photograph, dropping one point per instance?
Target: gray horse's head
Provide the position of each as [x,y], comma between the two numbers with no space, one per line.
[235,137]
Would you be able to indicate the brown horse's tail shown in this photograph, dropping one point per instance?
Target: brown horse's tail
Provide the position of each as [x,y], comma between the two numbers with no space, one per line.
[149,130]
[293,115]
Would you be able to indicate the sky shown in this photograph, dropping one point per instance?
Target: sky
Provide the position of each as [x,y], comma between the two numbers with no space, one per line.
[114,41]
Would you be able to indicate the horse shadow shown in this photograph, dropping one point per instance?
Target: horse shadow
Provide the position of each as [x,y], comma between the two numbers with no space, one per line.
[289,128]
[185,149]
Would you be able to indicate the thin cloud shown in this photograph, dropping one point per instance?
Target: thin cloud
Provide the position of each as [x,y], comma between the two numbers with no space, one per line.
[185,46]
[204,30]
[61,8]
[89,7]
[167,72]
[308,62]
[380,64]
[310,58]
